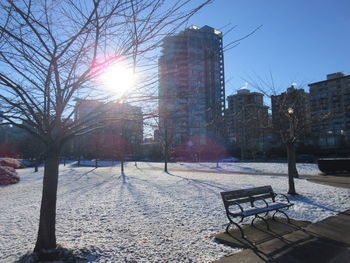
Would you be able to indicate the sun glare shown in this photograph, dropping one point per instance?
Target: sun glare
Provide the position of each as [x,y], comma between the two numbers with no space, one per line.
[118,79]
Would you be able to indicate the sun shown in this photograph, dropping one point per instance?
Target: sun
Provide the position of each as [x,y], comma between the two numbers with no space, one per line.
[119,79]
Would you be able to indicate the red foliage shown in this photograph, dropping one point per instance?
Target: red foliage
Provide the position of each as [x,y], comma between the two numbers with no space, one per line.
[8,175]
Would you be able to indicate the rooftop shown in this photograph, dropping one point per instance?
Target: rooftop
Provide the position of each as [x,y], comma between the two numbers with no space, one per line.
[332,76]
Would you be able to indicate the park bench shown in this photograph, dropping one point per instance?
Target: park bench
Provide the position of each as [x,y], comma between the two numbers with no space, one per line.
[253,202]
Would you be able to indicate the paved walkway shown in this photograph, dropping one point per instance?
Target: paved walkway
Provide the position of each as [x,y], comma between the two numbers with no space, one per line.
[327,241]
[333,180]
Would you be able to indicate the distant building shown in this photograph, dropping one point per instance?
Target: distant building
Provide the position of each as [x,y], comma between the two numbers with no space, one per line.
[247,121]
[299,101]
[330,111]
[191,85]
[84,107]
[115,124]
[156,136]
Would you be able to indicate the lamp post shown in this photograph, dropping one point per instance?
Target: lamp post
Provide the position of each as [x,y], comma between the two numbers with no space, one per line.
[291,153]
[291,127]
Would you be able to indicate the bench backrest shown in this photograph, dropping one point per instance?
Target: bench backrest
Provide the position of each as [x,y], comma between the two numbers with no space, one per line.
[248,195]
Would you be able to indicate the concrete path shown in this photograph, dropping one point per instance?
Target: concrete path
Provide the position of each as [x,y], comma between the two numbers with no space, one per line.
[327,241]
[337,180]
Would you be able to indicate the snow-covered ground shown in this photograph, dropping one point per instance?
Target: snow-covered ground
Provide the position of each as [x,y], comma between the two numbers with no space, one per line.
[149,215]
[275,168]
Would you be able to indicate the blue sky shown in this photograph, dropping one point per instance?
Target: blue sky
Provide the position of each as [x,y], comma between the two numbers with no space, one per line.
[300,41]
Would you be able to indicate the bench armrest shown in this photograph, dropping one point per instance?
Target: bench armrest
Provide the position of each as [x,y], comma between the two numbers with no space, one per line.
[286,197]
[231,204]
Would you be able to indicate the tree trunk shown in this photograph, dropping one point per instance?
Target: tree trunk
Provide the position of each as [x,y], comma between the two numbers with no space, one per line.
[122,166]
[291,168]
[166,148]
[36,164]
[292,161]
[166,163]
[47,225]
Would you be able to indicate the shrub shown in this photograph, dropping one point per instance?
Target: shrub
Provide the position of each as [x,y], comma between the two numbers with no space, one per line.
[8,175]
[11,163]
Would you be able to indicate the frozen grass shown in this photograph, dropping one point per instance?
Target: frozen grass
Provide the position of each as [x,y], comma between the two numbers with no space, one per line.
[147,215]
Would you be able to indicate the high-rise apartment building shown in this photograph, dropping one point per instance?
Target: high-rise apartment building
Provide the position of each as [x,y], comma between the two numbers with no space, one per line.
[330,111]
[191,85]
[247,121]
[299,101]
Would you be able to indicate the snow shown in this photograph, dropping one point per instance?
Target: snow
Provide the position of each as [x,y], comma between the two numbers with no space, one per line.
[148,215]
[276,168]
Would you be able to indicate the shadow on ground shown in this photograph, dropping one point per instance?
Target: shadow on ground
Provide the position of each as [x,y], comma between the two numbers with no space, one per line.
[258,233]
[61,255]
[327,241]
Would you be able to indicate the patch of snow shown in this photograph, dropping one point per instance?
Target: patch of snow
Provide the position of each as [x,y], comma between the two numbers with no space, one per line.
[148,215]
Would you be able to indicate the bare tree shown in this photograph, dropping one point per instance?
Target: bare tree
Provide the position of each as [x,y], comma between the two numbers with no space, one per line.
[50,53]
[291,119]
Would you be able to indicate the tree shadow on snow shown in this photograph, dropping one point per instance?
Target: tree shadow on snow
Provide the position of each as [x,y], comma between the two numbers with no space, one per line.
[85,174]
[141,192]
[122,177]
[136,196]
[61,254]
[78,189]
[307,200]
[203,184]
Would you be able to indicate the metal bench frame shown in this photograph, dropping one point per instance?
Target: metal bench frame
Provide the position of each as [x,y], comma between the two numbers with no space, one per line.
[251,195]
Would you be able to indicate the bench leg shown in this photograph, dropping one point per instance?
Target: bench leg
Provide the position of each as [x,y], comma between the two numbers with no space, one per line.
[257,216]
[237,225]
[273,216]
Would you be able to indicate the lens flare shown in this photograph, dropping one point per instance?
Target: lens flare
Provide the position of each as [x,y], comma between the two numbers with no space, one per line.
[119,79]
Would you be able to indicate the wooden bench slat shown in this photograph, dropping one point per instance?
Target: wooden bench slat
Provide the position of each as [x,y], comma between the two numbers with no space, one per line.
[237,201]
[246,192]
[248,199]
[261,210]
[262,197]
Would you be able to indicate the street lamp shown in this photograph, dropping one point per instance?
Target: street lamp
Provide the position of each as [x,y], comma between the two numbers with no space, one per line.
[291,128]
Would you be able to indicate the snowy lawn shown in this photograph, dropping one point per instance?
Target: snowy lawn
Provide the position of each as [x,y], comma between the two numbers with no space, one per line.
[148,216]
[276,168]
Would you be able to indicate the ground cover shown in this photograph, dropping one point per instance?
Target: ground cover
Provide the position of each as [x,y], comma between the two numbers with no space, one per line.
[148,215]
